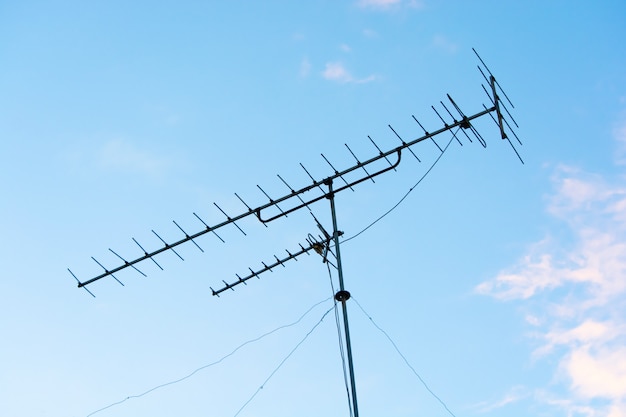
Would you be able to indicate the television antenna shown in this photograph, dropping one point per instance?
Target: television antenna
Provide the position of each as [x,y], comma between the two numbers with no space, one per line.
[327,243]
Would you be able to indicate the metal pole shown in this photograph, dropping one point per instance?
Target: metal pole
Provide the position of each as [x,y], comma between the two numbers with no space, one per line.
[343,295]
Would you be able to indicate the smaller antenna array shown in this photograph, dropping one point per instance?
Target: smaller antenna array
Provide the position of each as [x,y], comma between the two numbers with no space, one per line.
[453,119]
[319,245]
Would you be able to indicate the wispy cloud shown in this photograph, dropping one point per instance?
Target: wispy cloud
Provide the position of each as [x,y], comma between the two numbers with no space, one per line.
[336,71]
[305,67]
[345,47]
[380,4]
[593,212]
[514,395]
[123,156]
[444,44]
[389,4]
[619,131]
[575,281]
[370,33]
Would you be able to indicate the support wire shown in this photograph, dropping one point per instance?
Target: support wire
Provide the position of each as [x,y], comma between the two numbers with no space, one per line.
[405,359]
[283,361]
[406,194]
[256,339]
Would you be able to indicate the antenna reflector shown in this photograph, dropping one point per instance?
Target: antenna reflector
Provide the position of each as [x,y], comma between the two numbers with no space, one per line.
[107,271]
[209,228]
[127,263]
[279,261]
[380,152]
[404,143]
[315,182]
[450,114]
[244,203]
[147,255]
[446,124]
[229,218]
[188,237]
[293,192]
[359,162]
[337,172]
[167,246]
[427,134]
[79,283]
[271,201]
[487,68]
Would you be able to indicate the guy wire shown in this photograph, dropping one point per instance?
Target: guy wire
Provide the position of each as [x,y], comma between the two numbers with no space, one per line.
[405,359]
[217,361]
[283,361]
[337,321]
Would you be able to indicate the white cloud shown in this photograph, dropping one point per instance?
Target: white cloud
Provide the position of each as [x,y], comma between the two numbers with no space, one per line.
[578,192]
[336,71]
[570,407]
[588,332]
[597,374]
[573,284]
[535,273]
[592,210]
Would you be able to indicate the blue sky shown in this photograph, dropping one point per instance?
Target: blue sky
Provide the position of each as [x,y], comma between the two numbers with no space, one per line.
[502,284]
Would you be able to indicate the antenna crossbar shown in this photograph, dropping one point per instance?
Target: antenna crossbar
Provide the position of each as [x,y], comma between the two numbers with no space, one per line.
[322,193]
[316,245]
[398,150]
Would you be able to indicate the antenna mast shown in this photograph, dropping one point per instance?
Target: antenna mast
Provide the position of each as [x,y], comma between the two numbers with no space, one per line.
[342,296]
[317,190]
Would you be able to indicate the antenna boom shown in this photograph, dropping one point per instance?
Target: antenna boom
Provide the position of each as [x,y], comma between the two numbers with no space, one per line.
[464,123]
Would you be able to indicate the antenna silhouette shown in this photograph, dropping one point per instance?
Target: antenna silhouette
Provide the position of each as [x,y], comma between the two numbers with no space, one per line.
[454,120]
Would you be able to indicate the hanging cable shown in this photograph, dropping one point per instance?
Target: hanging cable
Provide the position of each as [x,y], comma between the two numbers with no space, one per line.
[404,359]
[213,363]
[407,193]
[283,361]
